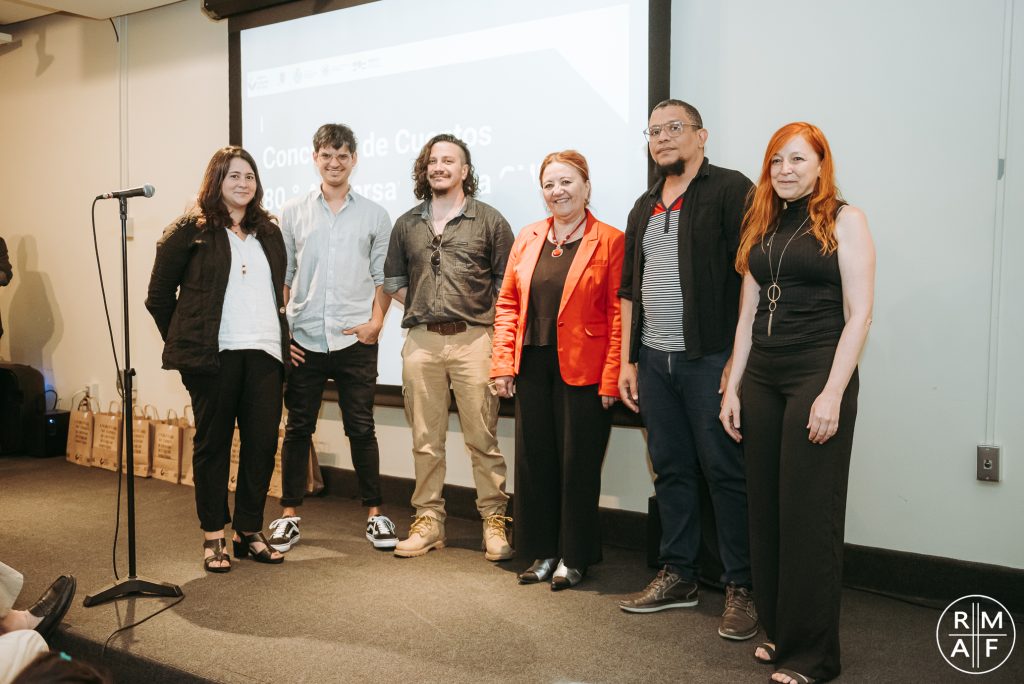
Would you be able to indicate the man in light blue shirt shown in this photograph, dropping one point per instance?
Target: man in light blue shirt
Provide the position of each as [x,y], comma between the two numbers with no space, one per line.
[337,241]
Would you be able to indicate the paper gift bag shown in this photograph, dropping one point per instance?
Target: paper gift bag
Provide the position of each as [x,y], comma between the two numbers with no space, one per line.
[142,441]
[275,490]
[106,438]
[80,433]
[236,446]
[188,435]
[233,477]
[167,448]
[314,478]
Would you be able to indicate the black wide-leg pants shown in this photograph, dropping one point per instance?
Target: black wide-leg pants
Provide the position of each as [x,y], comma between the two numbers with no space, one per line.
[561,435]
[797,503]
[247,388]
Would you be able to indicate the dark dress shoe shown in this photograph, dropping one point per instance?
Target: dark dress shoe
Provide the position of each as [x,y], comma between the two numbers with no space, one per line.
[566,577]
[540,571]
[54,604]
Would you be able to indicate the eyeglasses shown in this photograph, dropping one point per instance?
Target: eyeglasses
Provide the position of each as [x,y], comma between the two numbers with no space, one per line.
[435,256]
[340,157]
[673,128]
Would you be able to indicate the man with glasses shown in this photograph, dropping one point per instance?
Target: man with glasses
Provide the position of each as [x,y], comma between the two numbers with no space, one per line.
[336,241]
[680,294]
[445,265]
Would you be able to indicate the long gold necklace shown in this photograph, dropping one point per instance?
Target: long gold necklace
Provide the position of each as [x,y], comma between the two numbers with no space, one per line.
[241,252]
[774,291]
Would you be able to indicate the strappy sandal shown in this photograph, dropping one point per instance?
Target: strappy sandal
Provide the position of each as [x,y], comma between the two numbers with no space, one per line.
[219,548]
[770,650]
[795,676]
[243,548]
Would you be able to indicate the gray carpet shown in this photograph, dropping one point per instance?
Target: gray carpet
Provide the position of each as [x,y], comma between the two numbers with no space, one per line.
[337,610]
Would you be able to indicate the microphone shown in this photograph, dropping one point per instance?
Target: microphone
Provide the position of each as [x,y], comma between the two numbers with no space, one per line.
[146,190]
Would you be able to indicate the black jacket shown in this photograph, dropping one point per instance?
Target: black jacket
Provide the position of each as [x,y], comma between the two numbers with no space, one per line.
[709,235]
[186,291]
[6,272]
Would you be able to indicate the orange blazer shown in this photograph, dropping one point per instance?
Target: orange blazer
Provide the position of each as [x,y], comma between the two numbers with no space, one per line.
[589,324]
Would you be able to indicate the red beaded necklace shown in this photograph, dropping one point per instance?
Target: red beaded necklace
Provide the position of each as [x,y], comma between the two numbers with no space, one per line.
[558,251]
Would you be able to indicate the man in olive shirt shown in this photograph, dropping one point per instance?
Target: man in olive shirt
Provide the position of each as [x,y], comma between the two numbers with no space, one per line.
[445,264]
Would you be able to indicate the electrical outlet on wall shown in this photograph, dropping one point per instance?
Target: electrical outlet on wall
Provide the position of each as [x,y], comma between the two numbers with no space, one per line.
[988,462]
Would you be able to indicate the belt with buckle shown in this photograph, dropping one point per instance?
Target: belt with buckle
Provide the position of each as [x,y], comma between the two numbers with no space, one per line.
[447,328]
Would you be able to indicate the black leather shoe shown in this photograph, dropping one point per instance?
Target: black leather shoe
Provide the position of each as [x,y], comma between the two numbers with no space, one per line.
[54,604]
[566,577]
[540,571]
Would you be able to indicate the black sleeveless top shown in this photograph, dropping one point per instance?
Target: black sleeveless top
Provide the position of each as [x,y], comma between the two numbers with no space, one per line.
[546,294]
[810,304]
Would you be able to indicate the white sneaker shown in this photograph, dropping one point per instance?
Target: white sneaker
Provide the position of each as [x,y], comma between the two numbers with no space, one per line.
[380,532]
[284,533]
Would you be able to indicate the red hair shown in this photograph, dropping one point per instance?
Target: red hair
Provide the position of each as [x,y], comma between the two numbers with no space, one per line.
[765,207]
[569,158]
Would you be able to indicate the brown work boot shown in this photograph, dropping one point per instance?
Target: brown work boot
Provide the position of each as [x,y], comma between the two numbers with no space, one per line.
[425,533]
[739,620]
[496,546]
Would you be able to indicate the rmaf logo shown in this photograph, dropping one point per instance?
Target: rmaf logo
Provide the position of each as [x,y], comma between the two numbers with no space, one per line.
[975,634]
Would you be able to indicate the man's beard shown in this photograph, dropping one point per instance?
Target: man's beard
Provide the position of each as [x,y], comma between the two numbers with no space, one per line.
[441,192]
[675,168]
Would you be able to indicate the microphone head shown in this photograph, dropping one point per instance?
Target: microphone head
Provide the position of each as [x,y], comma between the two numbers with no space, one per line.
[148,190]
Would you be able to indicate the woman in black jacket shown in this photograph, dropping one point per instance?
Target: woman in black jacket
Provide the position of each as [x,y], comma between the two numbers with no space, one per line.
[216,294]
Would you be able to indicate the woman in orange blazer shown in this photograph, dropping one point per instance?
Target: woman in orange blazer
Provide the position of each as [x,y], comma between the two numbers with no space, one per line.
[556,348]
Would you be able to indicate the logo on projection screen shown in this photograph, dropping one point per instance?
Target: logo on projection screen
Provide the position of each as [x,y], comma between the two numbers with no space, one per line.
[975,634]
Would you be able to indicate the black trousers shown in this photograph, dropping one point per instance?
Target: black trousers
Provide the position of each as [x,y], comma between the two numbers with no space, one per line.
[247,389]
[797,503]
[354,371]
[561,437]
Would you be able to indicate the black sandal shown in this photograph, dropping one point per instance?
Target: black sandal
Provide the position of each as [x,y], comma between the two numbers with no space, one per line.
[218,546]
[243,548]
[770,650]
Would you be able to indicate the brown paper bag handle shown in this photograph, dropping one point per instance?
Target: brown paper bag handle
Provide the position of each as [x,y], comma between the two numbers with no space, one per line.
[114,405]
[188,415]
[174,420]
[87,402]
[152,412]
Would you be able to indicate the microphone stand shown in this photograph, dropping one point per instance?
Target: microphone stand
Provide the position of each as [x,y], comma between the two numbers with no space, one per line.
[131,585]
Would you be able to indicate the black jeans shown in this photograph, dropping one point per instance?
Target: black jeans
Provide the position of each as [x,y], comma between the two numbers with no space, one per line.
[561,436]
[679,404]
[354,371]
[797,495]
[247,388]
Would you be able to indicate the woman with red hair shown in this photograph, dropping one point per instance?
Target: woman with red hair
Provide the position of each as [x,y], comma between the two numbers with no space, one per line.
[556,340]
[808,266]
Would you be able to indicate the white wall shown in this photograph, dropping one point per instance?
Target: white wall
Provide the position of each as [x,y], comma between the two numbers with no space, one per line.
[909,94]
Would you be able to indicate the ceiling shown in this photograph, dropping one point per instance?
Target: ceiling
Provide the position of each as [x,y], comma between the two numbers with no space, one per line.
[13,11]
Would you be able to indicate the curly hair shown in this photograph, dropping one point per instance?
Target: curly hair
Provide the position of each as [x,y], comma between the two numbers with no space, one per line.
[419,168]
[211,210]
[766,204]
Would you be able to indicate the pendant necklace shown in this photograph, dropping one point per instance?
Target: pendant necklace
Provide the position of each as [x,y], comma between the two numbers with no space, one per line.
[774,291]
[558,251]
[245,267]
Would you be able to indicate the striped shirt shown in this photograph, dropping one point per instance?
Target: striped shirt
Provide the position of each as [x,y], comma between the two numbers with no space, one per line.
[660,291]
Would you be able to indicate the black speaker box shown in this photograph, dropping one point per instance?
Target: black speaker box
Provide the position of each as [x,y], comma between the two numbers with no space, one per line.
[222,9]
[22,405]
[56,427]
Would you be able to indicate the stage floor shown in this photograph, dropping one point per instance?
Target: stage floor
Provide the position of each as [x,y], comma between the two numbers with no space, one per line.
[337,610]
